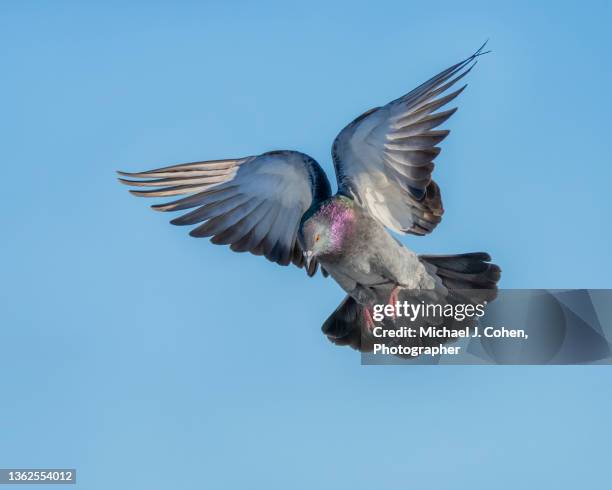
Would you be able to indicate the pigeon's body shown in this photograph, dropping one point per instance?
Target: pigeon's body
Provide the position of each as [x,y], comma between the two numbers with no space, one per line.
[279,204]
[368,257]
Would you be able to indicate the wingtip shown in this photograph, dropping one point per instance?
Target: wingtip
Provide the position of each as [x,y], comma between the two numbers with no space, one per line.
[160,207]
[180,221]
[124,181]
[473,62]
[480,52]
[132,175]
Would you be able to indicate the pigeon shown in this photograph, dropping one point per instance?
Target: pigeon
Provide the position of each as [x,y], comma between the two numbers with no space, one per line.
[280,205]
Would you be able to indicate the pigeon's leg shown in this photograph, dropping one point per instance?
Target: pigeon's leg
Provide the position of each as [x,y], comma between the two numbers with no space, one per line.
[394,298]
[369,321]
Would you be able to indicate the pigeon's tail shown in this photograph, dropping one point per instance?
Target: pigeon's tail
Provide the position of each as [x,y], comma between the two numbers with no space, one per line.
[467,278]
[345,324]
[464,271]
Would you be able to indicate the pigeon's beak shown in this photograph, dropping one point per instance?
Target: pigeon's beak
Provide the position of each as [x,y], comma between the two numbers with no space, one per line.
[308,258]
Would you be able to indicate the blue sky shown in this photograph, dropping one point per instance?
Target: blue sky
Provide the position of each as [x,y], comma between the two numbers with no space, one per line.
[149,359]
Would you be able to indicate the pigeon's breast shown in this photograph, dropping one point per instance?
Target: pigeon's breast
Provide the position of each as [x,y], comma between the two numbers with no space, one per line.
[374,258]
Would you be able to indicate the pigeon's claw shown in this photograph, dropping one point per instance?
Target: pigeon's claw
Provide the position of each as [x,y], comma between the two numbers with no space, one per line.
[394,299]
[369,321]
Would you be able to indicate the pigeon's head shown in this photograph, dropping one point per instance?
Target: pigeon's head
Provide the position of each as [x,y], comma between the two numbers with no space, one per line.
[325,228]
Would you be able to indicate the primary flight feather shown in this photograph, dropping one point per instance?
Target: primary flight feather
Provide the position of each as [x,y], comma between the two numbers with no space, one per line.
[279,205]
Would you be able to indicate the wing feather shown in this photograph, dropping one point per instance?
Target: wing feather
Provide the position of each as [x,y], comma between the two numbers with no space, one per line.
[252,204]
[384,158]
[238,230]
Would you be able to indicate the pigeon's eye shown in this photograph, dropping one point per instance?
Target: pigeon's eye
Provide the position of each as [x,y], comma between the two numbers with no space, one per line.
[317,238]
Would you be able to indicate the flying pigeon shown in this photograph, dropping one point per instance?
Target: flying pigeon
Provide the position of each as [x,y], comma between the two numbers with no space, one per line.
[279,204]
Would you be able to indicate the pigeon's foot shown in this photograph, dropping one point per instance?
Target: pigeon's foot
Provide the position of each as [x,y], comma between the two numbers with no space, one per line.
[393,299]
[369,321]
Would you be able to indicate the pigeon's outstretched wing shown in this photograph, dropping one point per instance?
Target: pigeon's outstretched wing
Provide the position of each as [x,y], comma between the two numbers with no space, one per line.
[384,158]
[253,204]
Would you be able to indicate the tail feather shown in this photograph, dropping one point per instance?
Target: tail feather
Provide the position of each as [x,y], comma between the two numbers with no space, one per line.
[344,326]
[467,278]
[465,271]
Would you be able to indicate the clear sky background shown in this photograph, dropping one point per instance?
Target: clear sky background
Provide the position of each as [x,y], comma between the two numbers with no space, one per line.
[151,360]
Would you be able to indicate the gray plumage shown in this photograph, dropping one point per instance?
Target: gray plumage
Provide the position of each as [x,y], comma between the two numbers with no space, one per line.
[279,205]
